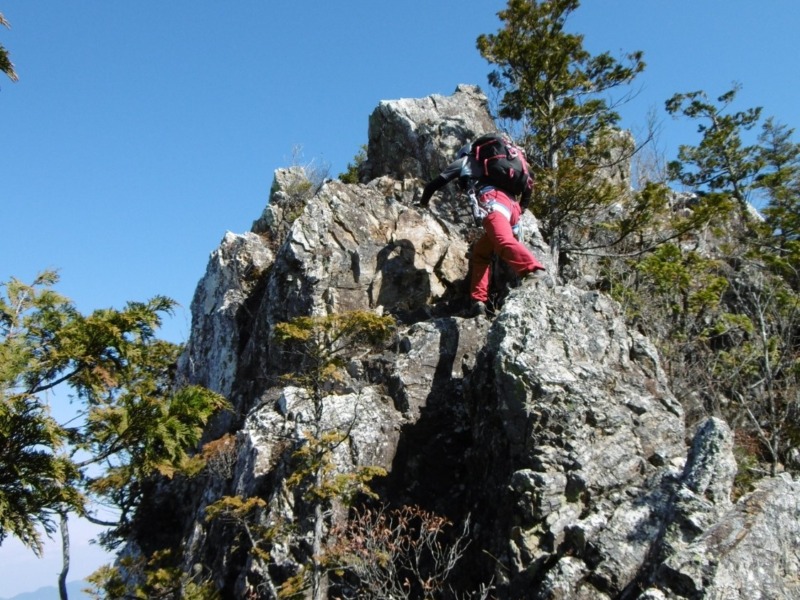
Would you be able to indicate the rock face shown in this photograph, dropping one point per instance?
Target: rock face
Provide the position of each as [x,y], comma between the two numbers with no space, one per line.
[417,138]
[552,427]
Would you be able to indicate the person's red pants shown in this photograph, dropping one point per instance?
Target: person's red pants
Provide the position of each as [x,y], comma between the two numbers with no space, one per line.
[499,238]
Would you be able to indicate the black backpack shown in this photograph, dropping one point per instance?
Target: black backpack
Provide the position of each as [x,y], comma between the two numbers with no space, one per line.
[503,163]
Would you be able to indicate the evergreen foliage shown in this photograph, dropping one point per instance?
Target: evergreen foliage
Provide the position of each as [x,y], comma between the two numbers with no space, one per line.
[318,349]
[6,66]
[706,277]
[134,422]
[779,180]
[721,300]
[721,163]
[556,92]
[351,174]
[157,577]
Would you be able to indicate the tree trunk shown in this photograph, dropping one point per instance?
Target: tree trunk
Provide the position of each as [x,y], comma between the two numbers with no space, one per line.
[62,577]
[317,576]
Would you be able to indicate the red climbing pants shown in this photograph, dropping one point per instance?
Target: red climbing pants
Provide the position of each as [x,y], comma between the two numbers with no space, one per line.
[498,238]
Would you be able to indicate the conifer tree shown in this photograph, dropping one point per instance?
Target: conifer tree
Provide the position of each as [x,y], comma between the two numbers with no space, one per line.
[133,421]
[728,295]
[6,66]
[780,181]
[557,93]
[316,349]
[322,345]
[721,164]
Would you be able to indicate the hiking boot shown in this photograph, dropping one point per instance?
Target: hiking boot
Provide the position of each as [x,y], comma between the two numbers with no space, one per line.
[477,309]
[538,275]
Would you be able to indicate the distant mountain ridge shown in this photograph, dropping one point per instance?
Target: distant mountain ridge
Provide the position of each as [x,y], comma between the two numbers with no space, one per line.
[74,589]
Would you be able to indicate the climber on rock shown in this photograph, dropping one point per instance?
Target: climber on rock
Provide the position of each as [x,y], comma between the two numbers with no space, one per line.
[492,172]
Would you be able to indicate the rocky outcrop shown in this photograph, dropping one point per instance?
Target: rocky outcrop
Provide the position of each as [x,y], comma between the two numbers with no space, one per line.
[748,551]
[413,139]
[581,432]
[416,138]
[552,428]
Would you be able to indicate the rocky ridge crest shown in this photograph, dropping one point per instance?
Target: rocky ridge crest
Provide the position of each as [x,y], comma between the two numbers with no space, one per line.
[553,426]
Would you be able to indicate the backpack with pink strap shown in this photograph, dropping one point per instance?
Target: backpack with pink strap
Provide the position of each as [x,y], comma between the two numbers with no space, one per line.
[503,163]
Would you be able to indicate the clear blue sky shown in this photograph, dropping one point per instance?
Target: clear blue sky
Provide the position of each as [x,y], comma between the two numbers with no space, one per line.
[140,132]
